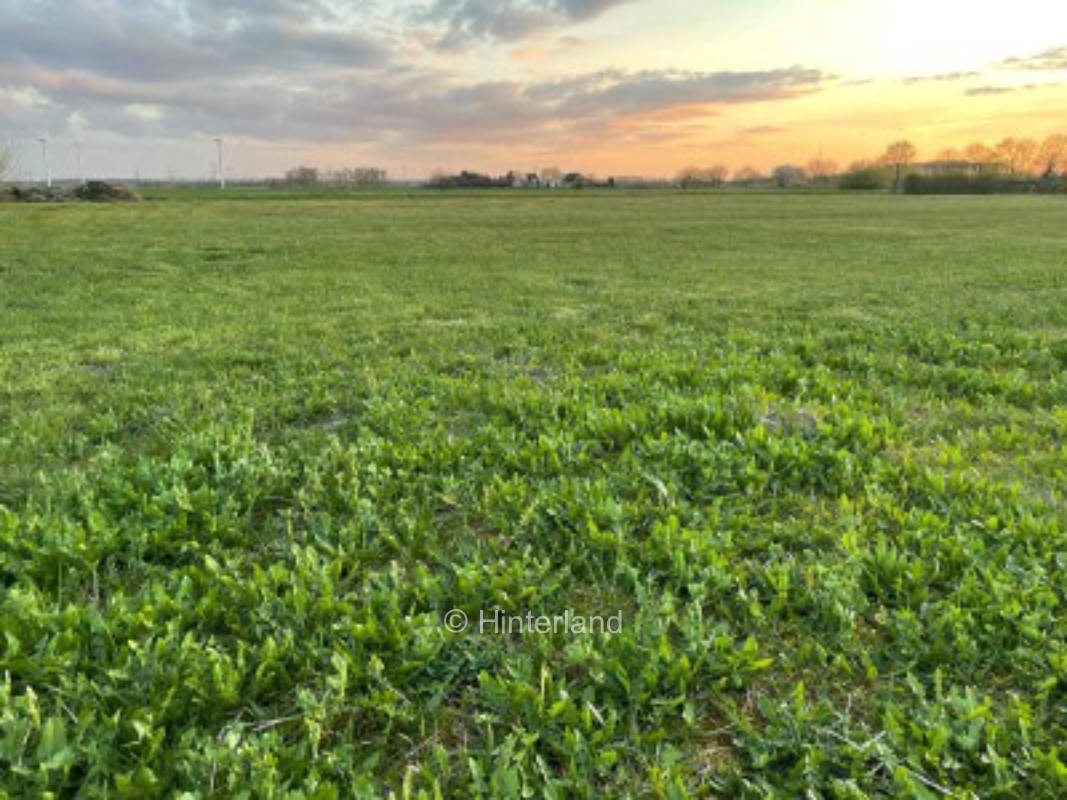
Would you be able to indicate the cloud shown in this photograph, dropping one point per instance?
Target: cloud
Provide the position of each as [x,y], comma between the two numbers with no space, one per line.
[762,130]
[535,53]
[651,89]
[465,22]
[749,137]
[993,90]
[145,112]
[317,71]
[22,107]
[76,123]
[942,77]
[165,40]
[1055,58]
[410,106]
[25,97]
[978,91]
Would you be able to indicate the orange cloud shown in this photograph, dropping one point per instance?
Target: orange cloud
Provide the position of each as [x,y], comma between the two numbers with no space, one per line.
[529,54]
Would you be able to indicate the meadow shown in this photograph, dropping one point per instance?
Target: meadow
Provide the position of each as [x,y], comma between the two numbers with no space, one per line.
[812,448]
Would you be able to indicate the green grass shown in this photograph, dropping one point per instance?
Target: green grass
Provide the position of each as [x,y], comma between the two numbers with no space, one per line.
[812,448]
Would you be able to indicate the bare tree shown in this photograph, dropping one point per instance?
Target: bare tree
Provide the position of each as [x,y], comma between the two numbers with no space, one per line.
[687,176]
[550,176]
[439,179]
[360,177]
[821,169]
[979,156]
[1052,156]
[1016,154]
[899,155]
[786,175]
[302,175]
[747,175]
[702,176]
[8,161]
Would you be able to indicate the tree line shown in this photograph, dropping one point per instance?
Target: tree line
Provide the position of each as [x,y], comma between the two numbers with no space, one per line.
[1012,162]
[358,177]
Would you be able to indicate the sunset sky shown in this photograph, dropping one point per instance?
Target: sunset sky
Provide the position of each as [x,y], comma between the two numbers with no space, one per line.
[606,86]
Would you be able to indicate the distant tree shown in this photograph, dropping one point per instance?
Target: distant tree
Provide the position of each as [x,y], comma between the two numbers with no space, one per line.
[821,170]
[1052,155]
[687,176]
[360,177]
[786,175]
[550,176]
[1017,155]
[748,175]
[8,161]
[303,176]
[468,180]
[979,156]
[950,154]
[1028,150]
[899,155]
[575,180]
[717,174]
[702,176]
[641,182]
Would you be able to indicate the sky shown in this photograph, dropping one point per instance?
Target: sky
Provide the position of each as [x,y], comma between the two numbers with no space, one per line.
[125,88]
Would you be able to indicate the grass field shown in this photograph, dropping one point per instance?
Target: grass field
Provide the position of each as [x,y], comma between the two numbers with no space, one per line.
[812,449]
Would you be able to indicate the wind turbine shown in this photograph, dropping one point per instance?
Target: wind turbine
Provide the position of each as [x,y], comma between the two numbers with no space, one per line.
[222,174]
[44,157]
[78,158]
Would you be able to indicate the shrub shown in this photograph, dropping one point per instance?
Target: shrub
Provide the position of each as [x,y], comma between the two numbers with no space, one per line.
[964,183]
[33,194]
[104,192]
[302,176]
[93,191]
[470,180]
[864,178]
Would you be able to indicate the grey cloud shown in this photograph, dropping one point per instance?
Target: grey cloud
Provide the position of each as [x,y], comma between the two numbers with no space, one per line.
[414,106]
[942,77]
[159,40]
[988,90]
[310,70]
[1055,58]
[467,21]
[649,90]
[978,91]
